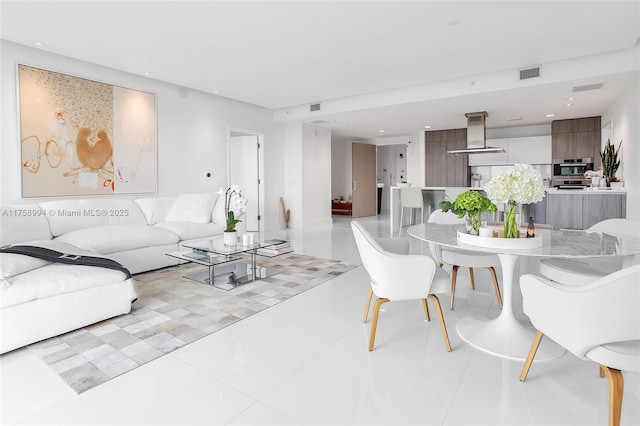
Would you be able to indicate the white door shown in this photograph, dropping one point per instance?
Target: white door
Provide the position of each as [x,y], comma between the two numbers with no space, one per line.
[244,170]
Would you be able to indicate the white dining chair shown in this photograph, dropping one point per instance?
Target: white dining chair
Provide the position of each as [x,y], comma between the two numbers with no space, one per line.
[411,198]
[395,277]
[462,258]
[611,337]
[581,271]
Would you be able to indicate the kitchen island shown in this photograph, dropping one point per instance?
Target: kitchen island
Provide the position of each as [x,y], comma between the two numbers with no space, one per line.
[432,196]
[583,208]
[561,208]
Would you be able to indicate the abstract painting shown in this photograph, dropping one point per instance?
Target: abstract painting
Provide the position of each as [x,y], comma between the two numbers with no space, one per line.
[83,137]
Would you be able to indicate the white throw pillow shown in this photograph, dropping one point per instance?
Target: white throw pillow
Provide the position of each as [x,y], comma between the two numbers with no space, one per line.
[194,208]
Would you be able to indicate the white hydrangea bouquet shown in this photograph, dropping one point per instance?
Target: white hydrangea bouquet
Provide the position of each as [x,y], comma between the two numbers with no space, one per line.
[520,184]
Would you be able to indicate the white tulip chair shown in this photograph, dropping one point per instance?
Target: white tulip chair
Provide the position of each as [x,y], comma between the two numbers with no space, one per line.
[399,276]
[462,258]
[598,321]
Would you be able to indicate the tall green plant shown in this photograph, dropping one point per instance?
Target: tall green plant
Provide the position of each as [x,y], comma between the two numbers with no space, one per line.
[609,157]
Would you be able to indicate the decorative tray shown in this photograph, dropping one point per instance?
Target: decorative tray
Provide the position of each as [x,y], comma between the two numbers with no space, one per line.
[504,243]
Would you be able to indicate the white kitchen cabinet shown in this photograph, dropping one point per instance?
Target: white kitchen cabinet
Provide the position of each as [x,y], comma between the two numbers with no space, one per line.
[491,159]
[529,150]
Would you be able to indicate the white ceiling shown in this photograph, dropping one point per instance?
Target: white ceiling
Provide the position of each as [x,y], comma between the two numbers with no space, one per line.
[372,65]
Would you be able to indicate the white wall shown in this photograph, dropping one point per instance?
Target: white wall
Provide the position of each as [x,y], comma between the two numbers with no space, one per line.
[191,130]
[316,174]
[624,118]
[307,174]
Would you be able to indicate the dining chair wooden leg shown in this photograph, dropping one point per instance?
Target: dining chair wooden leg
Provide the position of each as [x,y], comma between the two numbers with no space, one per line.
[374,323]
[473,281]
[443,326]
[616,390]
[454,277]
[532,353]
[366,307]
[496,286]
[426,309]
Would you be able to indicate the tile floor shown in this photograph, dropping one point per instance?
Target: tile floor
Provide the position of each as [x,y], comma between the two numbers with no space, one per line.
[305,361]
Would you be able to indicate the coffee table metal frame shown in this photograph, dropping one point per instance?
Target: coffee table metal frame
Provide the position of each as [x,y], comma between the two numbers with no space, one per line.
[223,261]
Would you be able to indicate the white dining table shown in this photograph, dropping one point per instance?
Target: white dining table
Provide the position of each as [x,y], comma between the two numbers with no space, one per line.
[505,336]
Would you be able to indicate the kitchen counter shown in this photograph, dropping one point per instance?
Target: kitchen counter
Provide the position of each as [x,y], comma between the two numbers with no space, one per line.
[431,194]
[561,208]
[586,191]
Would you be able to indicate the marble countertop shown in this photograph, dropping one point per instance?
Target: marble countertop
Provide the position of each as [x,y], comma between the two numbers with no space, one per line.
[565,244]
[586,191]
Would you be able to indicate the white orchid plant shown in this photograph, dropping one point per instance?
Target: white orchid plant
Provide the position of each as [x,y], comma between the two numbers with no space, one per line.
[235,204]
[520,184]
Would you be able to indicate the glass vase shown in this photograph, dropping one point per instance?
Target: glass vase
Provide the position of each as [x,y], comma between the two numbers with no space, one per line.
[511,229]
[473,224]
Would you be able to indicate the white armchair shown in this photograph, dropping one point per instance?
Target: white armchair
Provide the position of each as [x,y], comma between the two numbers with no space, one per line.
[565,313]
[464,258]
[578,272]
[399,277]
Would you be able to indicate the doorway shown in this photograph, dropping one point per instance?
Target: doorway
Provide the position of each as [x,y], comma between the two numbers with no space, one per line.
[391,168]
[363,171]
[245,165]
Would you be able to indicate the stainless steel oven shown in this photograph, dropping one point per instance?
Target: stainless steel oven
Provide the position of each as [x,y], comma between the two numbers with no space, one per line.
[570,172]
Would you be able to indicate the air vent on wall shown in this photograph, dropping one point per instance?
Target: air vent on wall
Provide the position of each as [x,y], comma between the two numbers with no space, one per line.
[587,87]
[314,107]
[529,73]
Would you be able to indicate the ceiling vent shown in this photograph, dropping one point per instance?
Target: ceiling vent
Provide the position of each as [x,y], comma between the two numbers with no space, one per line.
[319,121]
[529,73]
[314,107]
[587,87]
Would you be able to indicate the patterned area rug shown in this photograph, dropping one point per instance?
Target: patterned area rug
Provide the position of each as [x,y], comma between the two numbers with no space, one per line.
[171,312]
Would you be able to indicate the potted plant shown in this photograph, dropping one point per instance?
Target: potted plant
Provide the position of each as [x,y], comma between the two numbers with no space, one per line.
[610,162]
[234,206]
[472,204]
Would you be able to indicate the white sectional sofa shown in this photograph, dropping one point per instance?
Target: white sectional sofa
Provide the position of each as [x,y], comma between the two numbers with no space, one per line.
[39,299]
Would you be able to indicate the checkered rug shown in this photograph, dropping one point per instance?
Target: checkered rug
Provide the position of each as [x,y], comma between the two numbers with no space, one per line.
[171,312]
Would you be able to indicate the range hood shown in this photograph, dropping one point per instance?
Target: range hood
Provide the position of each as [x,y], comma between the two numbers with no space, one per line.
[476,135]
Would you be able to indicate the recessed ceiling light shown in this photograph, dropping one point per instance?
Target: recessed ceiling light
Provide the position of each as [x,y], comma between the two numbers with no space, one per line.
[569,99]
[550,115]
[217,91]
[38,44]
[380,131]
[567,105]
[146,73]
[427,127]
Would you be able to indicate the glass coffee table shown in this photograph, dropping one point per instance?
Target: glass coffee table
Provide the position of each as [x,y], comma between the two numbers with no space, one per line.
[226,266]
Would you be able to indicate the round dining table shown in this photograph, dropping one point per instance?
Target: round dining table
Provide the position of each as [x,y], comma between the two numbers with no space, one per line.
[504,335]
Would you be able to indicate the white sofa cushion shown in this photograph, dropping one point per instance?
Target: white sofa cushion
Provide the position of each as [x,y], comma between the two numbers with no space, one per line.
[23,223]
[71,215]
[117,238]
[194,208]
[217,215]
[190,231]
[54,279]
[14,264]
[155,209]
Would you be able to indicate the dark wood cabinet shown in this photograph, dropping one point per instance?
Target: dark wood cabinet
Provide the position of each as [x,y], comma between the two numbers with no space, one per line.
[442,169]
[576,138]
